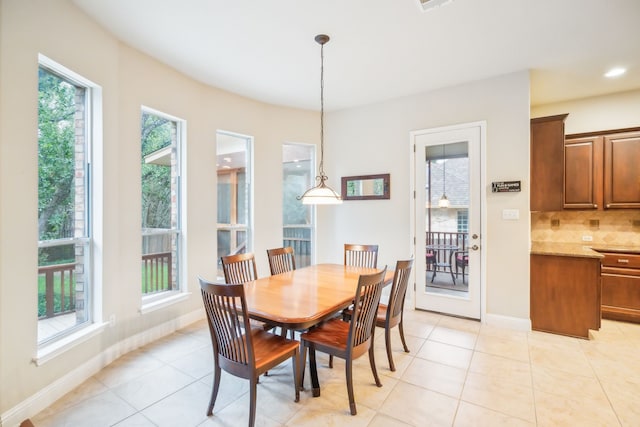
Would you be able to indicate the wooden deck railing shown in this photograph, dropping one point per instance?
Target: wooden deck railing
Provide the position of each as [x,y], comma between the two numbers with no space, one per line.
[156,272]
[60,290]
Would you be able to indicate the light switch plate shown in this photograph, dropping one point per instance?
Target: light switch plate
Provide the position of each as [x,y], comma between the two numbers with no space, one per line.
[510,214]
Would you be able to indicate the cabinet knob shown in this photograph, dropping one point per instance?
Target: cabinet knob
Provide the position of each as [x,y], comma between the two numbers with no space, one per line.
[595,205]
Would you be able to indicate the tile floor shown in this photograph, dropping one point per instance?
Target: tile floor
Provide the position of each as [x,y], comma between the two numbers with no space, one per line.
[459,373]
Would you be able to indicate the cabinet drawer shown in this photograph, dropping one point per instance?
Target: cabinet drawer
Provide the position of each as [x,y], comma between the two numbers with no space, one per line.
[621,260]
[621,291]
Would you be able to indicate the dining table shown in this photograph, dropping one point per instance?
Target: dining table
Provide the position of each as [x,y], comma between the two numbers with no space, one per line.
[302,298]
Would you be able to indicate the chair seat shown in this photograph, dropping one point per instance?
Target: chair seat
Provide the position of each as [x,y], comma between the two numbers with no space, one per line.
[332,333]
[268,346]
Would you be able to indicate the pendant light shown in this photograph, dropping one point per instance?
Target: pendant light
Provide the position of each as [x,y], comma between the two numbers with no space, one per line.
[321,194]
[444,201]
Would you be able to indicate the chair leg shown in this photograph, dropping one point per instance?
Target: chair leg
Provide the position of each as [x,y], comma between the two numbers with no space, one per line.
[387,342]
[349,374]
[303,364]
[331,361]
[296,373]
[315,384]
[216,386]
[372,362]
[463,275]
[252,400]
[401,330]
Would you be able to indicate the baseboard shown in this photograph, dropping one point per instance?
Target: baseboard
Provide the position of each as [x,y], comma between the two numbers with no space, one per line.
[31,406]
[508,322]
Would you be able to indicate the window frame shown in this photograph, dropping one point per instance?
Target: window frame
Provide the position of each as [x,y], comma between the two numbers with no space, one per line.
[153,301]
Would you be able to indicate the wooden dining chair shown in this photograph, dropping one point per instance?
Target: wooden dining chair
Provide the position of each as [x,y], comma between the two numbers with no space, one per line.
[392,314]
[281,260]
[240,350]
[239,268]
[348,340]
[361,255]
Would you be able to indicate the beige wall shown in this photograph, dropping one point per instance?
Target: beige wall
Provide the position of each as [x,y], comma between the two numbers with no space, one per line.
[129,79]
[375,139]
[615,111]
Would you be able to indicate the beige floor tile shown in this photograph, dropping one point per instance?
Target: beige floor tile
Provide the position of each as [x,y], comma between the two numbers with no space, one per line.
[564,358]
[460,324]
[196,364]
[445,354]
[455,337]
[566,384]
[126,368]
[436,377]
[231,389]
[84,391]
[186,407]
[135,420]
[417,406]
[385,421]
[237,414]
[104,409]
[554,410]
[153,386]
[319,412]
[623,396]
[501,368]
[494,393]
[472,415]
[509,347]
[174,347]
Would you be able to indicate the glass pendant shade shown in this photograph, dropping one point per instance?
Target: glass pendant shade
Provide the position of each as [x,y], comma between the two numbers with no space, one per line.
[444,201]
[321,195]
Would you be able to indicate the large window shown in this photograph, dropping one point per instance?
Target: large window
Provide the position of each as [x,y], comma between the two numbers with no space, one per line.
[297,219]
[161,195]
[65,283]
[233,155]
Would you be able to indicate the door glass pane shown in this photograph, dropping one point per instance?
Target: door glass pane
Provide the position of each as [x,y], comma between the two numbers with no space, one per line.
[447,193]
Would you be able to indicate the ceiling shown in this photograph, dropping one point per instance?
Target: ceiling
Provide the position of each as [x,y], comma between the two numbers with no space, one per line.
[382,49]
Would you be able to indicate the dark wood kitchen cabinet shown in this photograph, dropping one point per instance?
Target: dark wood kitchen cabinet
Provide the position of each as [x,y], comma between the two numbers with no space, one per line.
[602,170]
[622,170]
[565,294]
[583,165]
[547,163]
[621,286]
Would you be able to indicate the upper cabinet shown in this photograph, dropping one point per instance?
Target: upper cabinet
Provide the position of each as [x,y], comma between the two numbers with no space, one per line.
[601,170]
[583,172]
[547,163]
[595,170]
[622,170]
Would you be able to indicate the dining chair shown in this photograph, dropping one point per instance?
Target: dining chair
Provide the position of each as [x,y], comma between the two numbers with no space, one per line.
[361,255]
[462,262]
[239,268]
[391,314]
[348,340]
[358,256]
[281,260]
[240,350]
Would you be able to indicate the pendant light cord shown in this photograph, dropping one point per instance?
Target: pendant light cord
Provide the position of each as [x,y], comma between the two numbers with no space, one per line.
[321,166]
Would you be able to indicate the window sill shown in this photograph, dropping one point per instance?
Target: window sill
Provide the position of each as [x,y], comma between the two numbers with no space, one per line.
[52,350]
[158,303]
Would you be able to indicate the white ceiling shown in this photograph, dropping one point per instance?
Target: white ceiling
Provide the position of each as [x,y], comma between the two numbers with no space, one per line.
[382,49]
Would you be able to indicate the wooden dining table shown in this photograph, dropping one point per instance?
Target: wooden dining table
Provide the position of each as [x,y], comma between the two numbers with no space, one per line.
[302,298]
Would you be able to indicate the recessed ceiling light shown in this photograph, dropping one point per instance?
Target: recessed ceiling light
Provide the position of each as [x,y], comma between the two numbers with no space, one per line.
[432,4]
[615,72]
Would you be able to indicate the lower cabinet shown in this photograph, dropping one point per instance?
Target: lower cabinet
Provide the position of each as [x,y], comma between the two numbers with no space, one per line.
[621,286]
[565,294]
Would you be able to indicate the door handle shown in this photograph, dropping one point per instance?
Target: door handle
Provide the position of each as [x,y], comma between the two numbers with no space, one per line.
[474,236]
[475,247]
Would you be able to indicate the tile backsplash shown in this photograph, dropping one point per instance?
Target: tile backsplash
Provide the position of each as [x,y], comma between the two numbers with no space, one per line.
[619,227]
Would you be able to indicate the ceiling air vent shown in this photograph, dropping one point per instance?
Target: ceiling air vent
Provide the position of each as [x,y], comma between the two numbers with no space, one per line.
[427,5]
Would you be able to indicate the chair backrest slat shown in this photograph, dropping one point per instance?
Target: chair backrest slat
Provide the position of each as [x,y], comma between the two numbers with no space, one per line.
[281,260]
[361,255]
[240,268]
[399,287]
[365,307]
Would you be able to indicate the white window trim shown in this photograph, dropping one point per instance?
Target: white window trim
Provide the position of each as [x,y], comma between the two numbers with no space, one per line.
[51,349]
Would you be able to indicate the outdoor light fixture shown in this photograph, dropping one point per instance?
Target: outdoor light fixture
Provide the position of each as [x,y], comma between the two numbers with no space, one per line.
[321,194]
[444,201]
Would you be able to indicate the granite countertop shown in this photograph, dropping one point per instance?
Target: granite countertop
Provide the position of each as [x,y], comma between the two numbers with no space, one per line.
[579,250]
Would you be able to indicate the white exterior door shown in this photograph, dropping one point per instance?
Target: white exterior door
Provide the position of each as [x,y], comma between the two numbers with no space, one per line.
[447,180]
